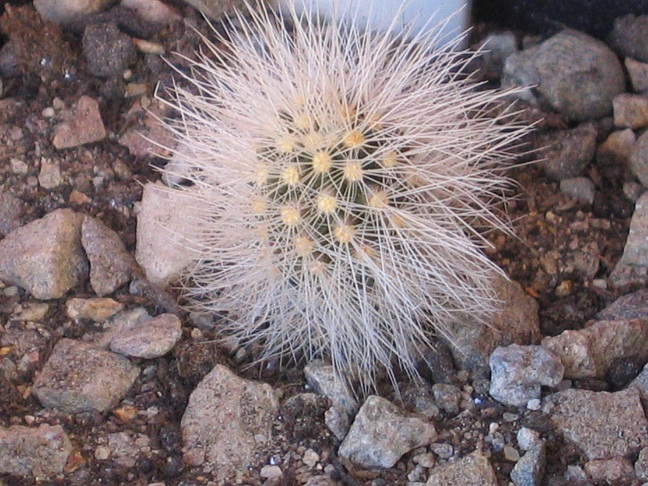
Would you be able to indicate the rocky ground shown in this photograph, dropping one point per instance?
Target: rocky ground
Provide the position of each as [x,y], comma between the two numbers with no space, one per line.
[105,380]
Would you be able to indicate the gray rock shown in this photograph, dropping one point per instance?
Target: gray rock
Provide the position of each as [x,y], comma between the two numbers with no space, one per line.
[630,36]
[626,307]
[107,50]
[49,176]
[79,377]
[153,11]
[616,470]
[633,265]
[567,153]
[527,438]
[529,469]
[229,433]
[573,73]
[581,188]
[517,373]
[641,465]
[496,48]
[338,421]
[447,397]
[217,9]
[640,383]
[601,424]
[45,257]
[516,322]
[630,110]
[590,352]
[111,266]
[639,159]
[11,209]
[322,378]
[472,470]
[96,309]
[616,148]
[638,72]
[40,452]
[69,12]
[149,339]
[381,433]
[83,125]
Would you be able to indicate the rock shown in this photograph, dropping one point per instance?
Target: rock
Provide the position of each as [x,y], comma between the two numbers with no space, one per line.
[617,470]
[79,377]
[45,256]
[641,465]
[149,339]
[566,153]
[527,438]
[626,307]
[603,425]
[153,11]
[616,149]
[162,254]
[40,452]
[639,159]
[529,469]
[517,372]
[146,137]
[496,48]
[472,470]
[83,125]
[321,377]
[630,111]
[381,433]
[638,72]
[641,384]
[96,309]
[447,397]
[108,51]
[338,421]
[573,73]
[633,265]
[630,36]
[69,12]
[517,322]
[11,209]
[581,188]
[229,433]
[589,352]
[49,176]
[111,266]
[269,472]
[217,9]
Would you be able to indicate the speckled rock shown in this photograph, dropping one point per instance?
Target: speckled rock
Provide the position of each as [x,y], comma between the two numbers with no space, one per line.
[111,266]
[96,309]
[529,469]
[11,208]
[516,322]
[473,470]
[149,339]
[641,384]
[69,12]
[581,188]
[83,125]
[633,265]
[617,470]
[603,425]
[518,372]
[589,352]
[79,377]
[626,307]
[40,452]
[229,433]
[381,433]
[630,110]
[630,36]
[573,73]
[639,159]
[107,50]
[641,465]
[321,377]
[566,153]
[638,72]
[161,254]
[45,257]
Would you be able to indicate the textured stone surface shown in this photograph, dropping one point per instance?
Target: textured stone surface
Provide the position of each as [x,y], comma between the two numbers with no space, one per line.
[566,153]
[79,377]
[590,352]
[40,452]
[83,125]
[45,257]
[149,339]
[321,377]
[227,423]
[472,470]
[529,469]
[381,433]
[603,425]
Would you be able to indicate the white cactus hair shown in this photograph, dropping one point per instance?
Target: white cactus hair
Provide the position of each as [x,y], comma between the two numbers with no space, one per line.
[339,179]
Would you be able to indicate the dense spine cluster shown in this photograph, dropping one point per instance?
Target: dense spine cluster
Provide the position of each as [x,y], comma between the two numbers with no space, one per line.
[338,178]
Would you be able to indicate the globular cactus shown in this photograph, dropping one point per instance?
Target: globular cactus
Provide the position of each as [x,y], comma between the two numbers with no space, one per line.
[338,179]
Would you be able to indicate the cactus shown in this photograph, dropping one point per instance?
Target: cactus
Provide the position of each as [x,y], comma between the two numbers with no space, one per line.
[339,181]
